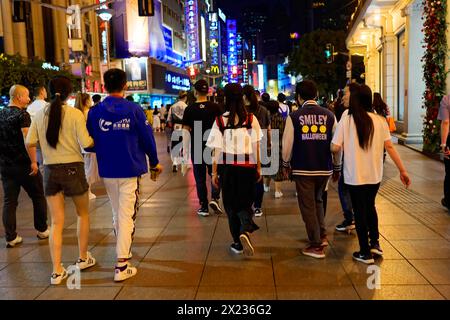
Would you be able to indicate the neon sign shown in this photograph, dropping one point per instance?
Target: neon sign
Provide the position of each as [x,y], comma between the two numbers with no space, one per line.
[232,51]
[214,42]
[192,30]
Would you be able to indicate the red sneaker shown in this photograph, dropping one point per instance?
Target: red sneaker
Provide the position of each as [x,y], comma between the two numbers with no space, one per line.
[315,252]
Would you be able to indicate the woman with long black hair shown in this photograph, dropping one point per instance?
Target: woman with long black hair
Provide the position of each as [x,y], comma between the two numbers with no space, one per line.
[363,135]
[262,114]
[235,138]
[60,130]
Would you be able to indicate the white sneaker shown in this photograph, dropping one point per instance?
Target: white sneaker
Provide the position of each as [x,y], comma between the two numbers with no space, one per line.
[278,195]
[266,188]
[43,235]
[56,278]
[15,242]
[91,195]
[86,263]
[124,271]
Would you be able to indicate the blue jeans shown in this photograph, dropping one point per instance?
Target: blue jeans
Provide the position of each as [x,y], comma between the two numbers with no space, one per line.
[200,171]
[346,201]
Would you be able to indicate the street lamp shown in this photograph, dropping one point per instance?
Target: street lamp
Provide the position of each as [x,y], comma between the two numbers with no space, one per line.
[106,15]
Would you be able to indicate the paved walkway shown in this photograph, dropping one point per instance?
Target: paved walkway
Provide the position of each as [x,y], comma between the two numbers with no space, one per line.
[182,256]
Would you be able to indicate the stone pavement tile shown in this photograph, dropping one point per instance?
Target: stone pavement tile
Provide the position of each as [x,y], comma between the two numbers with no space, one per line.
[157,293]
[247,272]
[443,230]
[24,293]
[85,293]
[284,221]
[395,219]
[158,273]
[234,292]
[399,292]
[106,252]
[410,232]
[307,271]
[69,253]
[141,235]
[187,234]
[183,251]
[344,248]
[154,211]
[100,275]
[152,222]
[396,272]
[444,290]
[436,271]
[13,254]
[297,233]
[3,265]
[423,249]
[324,292]
[26,275]
[190,221]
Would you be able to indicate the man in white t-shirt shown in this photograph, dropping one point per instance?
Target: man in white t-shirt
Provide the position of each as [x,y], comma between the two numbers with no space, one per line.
[38,103]
[40,95]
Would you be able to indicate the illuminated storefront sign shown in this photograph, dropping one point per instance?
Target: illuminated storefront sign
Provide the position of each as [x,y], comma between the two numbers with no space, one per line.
[192,30]
[245,71]
[49,66]
[136,70]
[175,82]
[253,52]
[222,16]
[214,43]
[240,56]
[232,51]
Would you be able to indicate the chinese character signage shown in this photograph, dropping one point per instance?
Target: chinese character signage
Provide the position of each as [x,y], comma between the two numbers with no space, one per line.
[136,70]
[192,30]
[232,51]
[214,43]
[240,53]
[175,82]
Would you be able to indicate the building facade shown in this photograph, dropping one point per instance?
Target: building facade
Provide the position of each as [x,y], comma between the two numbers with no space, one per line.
[388,34]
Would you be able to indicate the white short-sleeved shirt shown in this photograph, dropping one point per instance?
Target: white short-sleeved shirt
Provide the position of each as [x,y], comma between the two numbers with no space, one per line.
[235,141]
[362,166]
[35,106]
[72,136]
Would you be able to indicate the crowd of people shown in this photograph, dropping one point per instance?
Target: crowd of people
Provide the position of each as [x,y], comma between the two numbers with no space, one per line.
[241,140]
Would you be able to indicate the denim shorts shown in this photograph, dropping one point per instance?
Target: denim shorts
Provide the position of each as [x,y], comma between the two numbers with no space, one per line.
[68,178]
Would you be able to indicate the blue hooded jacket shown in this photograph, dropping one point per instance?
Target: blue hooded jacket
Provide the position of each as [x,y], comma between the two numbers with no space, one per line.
[122,138]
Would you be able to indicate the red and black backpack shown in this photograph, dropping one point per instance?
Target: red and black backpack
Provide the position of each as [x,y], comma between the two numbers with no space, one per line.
[246,124]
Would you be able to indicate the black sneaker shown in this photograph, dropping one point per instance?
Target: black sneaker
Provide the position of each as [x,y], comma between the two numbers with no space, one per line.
[345,226]
[364,258]
[247,244]
[203,212]
[376,249]
[214,205]
[258,212]
[168,149]
[174,169]
[237,248]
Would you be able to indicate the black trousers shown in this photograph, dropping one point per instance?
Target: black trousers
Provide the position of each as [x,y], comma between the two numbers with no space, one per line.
[366,218]
[12,179]
[238,192]
[200,172]
[447,176]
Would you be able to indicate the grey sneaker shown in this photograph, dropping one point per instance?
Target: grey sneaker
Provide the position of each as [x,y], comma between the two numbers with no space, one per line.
[43,235]
[11,244]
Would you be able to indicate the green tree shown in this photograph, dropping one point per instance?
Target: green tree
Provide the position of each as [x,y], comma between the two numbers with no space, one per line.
[14,70]
[309,60]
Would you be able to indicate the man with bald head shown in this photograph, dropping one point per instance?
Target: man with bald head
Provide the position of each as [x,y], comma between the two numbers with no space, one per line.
[16,168]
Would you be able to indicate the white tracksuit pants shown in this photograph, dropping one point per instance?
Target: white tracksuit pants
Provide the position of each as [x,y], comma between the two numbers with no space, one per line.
[123,194]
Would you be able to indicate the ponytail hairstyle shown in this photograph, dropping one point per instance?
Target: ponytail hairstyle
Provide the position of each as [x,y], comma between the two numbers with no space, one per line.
[82,100]
[379,105]
[249,93]
[234,102]
[363,122]
[59,89]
